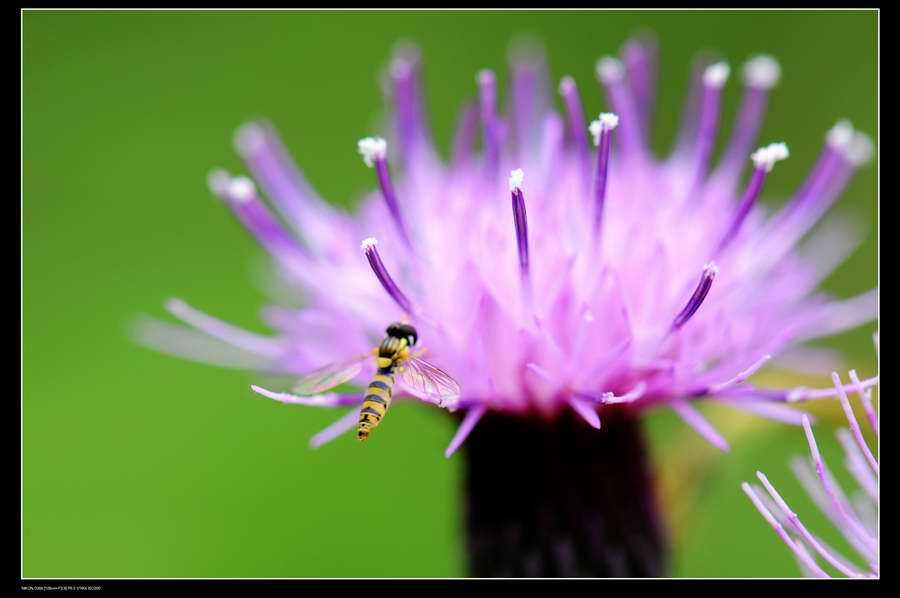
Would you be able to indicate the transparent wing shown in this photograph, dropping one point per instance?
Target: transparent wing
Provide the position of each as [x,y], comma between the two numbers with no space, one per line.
[330,375]
[424,378]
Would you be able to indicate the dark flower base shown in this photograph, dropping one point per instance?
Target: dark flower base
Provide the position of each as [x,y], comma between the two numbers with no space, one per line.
[560,499]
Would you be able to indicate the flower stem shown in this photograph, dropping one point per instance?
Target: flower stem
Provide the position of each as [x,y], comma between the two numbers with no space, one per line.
[560,499]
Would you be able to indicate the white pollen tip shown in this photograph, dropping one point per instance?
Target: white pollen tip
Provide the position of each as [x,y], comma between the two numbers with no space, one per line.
[372,149]
[710,269]
[566,85]
[485,77]
[840,134]
[716,74]
[595,129]
[249,139]
[241,189]
[762,72]
[607,121]
[368,243]
[515,179]
[860,149]
[766,157]
[401,67]
[610,69]
[218,181]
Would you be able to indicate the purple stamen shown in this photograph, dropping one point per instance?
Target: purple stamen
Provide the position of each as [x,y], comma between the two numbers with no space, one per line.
[865,397]
[374,153]
[521,219]
[690,113]
[487,102]
[602,129]
[575,115]
[611,74]
[830,168]
[407,103]
[714,78]
[368,247]
[265,155]
[754,187]
[800,393]
[764,159]
[639,57]
[854,425]
[466,129]
[845,150]
[527,97]
[840,508]
[710,271]
[795,522]
[741,376]
[760,75]
[804,556]
[522,100]
[240,195]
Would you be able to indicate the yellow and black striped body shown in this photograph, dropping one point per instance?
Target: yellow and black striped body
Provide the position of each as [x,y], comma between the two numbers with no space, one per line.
[389,356]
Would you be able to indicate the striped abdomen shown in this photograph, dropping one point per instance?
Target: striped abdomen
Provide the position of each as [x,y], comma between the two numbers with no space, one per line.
[376,402]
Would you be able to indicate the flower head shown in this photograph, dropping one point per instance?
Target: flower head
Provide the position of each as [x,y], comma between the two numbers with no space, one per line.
[540,273]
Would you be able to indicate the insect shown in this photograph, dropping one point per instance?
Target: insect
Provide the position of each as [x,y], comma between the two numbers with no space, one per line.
[392,358]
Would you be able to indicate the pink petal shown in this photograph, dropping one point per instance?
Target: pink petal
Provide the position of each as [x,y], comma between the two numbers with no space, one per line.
[694,419]
[468,424]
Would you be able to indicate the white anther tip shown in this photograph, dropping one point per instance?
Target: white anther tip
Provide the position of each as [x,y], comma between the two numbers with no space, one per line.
[368,243]
[710,269]
[485,77]
[607,121]
[174,304]
[566,85]
[716,74]
[372,149]
[762,72]
[840,134]
[218,181]
[241,189]
[860,149]
[406,56]
[515,179]
[797,394]
[610,69]
[249,139]
[766,157]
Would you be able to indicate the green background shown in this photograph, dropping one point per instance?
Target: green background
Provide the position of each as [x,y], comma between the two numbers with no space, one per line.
[137,464]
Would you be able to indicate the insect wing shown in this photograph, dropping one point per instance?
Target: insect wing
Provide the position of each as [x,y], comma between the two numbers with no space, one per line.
[330,376]
[426,379]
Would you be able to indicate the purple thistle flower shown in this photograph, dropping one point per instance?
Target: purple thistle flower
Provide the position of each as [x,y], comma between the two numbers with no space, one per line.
[579,305]
[856,516]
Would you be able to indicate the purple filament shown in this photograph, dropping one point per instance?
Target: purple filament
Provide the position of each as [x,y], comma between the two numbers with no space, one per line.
[600,182]
[521,220]
[706,133]
[487,85]
[747,202]
[390,197]
[575,115]
[384,278]
[696,300]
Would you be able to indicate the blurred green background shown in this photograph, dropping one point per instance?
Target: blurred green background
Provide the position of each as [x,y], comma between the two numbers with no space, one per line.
[138,464]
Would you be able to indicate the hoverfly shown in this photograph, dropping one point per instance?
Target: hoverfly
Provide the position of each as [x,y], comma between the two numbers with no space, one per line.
[392,358]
